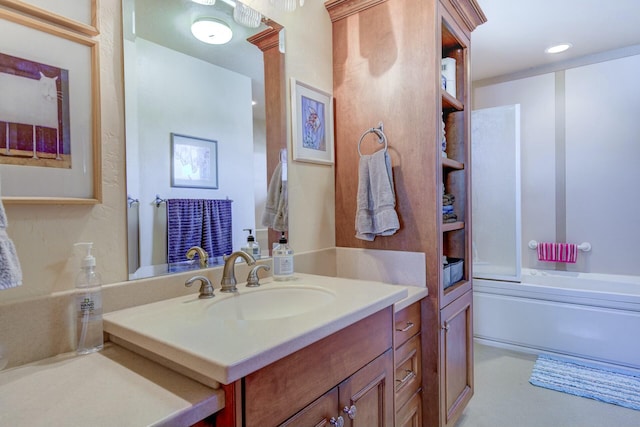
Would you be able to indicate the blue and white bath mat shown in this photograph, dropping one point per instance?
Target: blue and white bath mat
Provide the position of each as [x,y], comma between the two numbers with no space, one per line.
[572,377]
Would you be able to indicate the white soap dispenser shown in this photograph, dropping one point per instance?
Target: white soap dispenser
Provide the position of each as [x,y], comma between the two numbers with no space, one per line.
[282,260]
[88,304]
[252,247]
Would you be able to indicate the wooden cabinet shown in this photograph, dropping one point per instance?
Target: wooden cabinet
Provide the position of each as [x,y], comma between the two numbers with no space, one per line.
[352,367]
[362,400]
[387,58]
[457,357]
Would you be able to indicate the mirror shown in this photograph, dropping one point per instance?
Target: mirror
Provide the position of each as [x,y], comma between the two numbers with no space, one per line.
[178,85]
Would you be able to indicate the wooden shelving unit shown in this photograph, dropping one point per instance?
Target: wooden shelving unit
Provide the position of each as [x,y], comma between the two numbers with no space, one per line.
[407,77]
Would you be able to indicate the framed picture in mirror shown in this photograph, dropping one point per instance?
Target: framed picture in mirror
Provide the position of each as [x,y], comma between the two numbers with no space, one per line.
[312,124]
[194,162]
[49,113]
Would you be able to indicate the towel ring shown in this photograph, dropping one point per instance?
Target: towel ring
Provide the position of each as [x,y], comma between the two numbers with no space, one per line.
[382,138]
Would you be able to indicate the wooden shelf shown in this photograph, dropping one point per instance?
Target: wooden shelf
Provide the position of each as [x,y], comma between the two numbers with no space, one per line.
[455,286]
[452,226]
[449,102]
[452,164]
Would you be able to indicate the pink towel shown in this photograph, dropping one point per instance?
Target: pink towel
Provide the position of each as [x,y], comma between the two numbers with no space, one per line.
[558,252]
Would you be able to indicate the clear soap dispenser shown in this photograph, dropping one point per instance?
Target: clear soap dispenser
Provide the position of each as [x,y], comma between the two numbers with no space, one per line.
[252,247]
[282,260]
[88,304]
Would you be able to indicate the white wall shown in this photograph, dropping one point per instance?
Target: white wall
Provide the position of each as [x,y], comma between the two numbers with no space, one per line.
[218,107]
[603,162]
[598,133]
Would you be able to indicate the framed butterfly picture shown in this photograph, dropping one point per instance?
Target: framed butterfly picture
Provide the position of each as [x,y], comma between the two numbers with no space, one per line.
[312,124]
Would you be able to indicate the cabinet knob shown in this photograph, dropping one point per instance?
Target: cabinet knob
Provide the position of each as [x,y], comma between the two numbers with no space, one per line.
[350,411]
[339,422]
[445,327]
[406,328]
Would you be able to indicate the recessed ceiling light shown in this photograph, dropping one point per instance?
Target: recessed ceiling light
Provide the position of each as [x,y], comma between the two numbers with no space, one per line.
[558,48]
[211,30]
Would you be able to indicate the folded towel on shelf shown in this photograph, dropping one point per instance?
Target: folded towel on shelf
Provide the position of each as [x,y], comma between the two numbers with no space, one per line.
[376,200]
[558,252]
[10,271]
[449,217]
[198,222]
[275,213]
[447,209]
[448,199]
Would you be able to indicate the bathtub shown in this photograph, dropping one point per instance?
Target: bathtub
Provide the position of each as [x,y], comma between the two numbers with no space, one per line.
[582,315]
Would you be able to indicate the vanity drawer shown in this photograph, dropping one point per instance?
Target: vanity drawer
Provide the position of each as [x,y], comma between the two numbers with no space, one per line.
[407,324]
[408,374]
[410,415]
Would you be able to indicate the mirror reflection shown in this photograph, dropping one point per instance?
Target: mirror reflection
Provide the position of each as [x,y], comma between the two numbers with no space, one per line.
[196,133]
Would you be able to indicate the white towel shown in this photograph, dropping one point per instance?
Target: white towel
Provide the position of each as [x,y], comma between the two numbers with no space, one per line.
[376,214]
[10,272]
[275,213]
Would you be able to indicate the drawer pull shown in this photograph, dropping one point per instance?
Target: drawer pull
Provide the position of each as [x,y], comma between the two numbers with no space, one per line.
[410,374]
[406,328]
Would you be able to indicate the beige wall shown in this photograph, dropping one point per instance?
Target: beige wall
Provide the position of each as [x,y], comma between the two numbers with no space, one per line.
[44,234]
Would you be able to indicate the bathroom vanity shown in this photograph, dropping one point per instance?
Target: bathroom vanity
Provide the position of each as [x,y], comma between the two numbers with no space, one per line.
[287,353]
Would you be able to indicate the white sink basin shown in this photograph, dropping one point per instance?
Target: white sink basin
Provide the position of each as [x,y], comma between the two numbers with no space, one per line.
[271,303]
[227,337]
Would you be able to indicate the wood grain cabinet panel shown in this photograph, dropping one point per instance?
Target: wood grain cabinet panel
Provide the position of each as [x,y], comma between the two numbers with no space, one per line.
[410,415]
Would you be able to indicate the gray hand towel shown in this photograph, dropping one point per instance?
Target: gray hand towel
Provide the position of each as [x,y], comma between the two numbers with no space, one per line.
[10,272]
[376,214]
[275,213]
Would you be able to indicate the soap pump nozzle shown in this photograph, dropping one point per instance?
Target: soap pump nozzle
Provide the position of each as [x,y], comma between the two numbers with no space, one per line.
[88,260]
[250,238]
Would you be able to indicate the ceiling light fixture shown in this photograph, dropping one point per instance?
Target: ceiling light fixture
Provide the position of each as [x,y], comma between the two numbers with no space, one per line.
[211,31]
[558,48]
[206,2]
[286,5]
[244,15]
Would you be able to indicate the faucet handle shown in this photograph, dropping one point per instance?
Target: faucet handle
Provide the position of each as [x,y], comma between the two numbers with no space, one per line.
[206,288]
[253,281]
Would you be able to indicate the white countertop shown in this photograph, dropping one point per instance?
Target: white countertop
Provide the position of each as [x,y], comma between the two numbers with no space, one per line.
[113,387]
[414,293]
[186,330]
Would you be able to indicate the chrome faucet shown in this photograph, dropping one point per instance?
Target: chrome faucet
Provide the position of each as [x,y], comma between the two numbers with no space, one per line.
[206,288]
[228,282]
[202,254]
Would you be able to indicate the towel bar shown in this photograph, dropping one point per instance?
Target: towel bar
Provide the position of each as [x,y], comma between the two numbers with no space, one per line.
[584,246]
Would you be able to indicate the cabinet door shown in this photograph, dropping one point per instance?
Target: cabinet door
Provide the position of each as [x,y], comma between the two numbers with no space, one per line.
[318,414]
[366,397]
[456,363]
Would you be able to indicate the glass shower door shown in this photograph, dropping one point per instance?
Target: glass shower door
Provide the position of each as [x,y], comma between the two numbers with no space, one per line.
[495,160]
